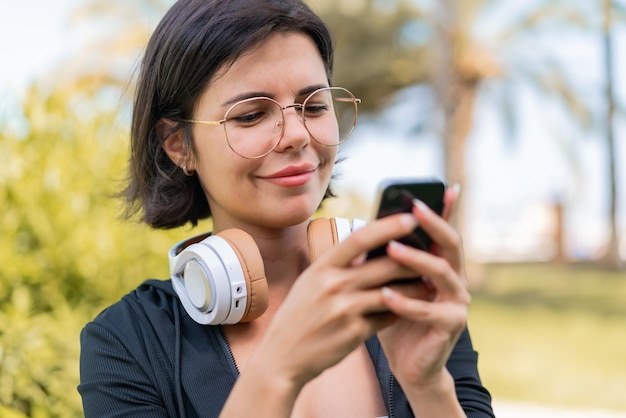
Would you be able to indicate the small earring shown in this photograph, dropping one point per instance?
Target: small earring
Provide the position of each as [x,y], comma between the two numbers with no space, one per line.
[187,173]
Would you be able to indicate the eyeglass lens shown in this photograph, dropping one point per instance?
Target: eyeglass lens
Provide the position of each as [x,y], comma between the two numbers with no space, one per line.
[255,126]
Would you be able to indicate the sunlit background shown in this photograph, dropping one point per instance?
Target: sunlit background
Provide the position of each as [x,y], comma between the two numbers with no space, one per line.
[530,110]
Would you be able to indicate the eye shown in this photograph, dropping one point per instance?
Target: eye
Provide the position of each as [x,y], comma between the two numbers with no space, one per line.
[316,109]
[252,112]
[248,118]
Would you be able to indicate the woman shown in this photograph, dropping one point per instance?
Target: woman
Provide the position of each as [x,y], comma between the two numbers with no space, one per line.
[333,339]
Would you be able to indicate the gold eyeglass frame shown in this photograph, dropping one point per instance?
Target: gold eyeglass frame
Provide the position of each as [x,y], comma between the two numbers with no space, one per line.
[300,106]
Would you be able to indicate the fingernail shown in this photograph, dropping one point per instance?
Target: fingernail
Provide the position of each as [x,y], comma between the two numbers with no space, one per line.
[457,189]
[409,220]
[358,260]
[396,244]
[387,292]
[421,206]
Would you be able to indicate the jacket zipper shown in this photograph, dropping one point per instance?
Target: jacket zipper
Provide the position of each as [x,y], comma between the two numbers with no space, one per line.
[390,396]
[229,351]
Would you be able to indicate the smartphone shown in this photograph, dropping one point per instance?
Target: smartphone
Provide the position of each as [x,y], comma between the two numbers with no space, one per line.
[397,195]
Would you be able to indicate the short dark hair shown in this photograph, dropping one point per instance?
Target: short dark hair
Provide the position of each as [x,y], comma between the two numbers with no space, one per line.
[192,42]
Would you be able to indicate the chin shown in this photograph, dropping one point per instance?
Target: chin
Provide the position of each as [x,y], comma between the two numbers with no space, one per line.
[288,215]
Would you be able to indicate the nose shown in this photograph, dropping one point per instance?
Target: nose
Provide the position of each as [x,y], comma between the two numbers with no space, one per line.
[295,135]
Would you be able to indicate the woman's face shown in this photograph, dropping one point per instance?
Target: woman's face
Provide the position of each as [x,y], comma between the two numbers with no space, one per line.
[285,187]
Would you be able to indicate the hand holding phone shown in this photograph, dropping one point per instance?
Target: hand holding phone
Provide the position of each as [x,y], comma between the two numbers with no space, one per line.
[397,195]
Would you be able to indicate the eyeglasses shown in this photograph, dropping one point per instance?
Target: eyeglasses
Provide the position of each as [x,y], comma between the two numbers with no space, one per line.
[254,126]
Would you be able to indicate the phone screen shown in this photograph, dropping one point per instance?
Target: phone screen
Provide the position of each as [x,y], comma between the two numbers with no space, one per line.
[396,196]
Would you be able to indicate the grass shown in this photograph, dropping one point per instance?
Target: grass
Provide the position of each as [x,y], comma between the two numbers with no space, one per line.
[552,334]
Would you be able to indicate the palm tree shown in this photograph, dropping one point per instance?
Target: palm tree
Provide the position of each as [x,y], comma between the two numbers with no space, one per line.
[451,57]
[466,64]
[611,258]
[375,56]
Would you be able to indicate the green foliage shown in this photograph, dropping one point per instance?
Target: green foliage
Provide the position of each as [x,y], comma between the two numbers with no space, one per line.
[39,354]
[379,47]
[65,254]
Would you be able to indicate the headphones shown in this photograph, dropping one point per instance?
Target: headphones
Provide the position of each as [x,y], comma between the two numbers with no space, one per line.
[220,278]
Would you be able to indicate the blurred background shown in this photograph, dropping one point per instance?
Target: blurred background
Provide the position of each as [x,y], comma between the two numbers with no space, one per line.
[521,103]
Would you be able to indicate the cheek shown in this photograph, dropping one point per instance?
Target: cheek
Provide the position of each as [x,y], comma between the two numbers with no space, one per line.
[225,182]
[211,150]
[328,155]
[221,170]
[213,162]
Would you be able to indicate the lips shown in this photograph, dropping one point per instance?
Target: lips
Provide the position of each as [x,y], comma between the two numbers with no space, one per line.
[292,176]
[292,171]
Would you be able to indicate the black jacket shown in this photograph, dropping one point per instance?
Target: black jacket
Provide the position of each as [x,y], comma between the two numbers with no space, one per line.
[145,357]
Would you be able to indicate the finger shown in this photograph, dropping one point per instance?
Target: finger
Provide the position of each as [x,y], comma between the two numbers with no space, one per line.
[446,238]
[373,235]
[365,310]
[440,273]
[416,289]
[355,303]
[448,316]
[373,273]
[450,198]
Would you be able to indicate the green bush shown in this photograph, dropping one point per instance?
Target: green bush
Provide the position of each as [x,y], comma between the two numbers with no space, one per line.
[65,254]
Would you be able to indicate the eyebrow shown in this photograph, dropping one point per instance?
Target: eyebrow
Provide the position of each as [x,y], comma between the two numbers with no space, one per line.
[248,95]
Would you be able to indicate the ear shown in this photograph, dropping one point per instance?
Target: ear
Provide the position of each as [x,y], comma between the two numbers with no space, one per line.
[174,144]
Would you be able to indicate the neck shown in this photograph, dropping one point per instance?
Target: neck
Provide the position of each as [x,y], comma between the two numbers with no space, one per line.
[284,251]
[285,255]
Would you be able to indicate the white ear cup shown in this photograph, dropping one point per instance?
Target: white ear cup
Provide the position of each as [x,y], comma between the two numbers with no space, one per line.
[210,282]
[342,228]
[221,280]
[357,224]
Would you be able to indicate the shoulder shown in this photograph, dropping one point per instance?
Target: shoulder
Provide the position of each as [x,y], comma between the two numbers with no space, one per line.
[149,319]
[126,351]
[150,312]
[152,300]
[146,347]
